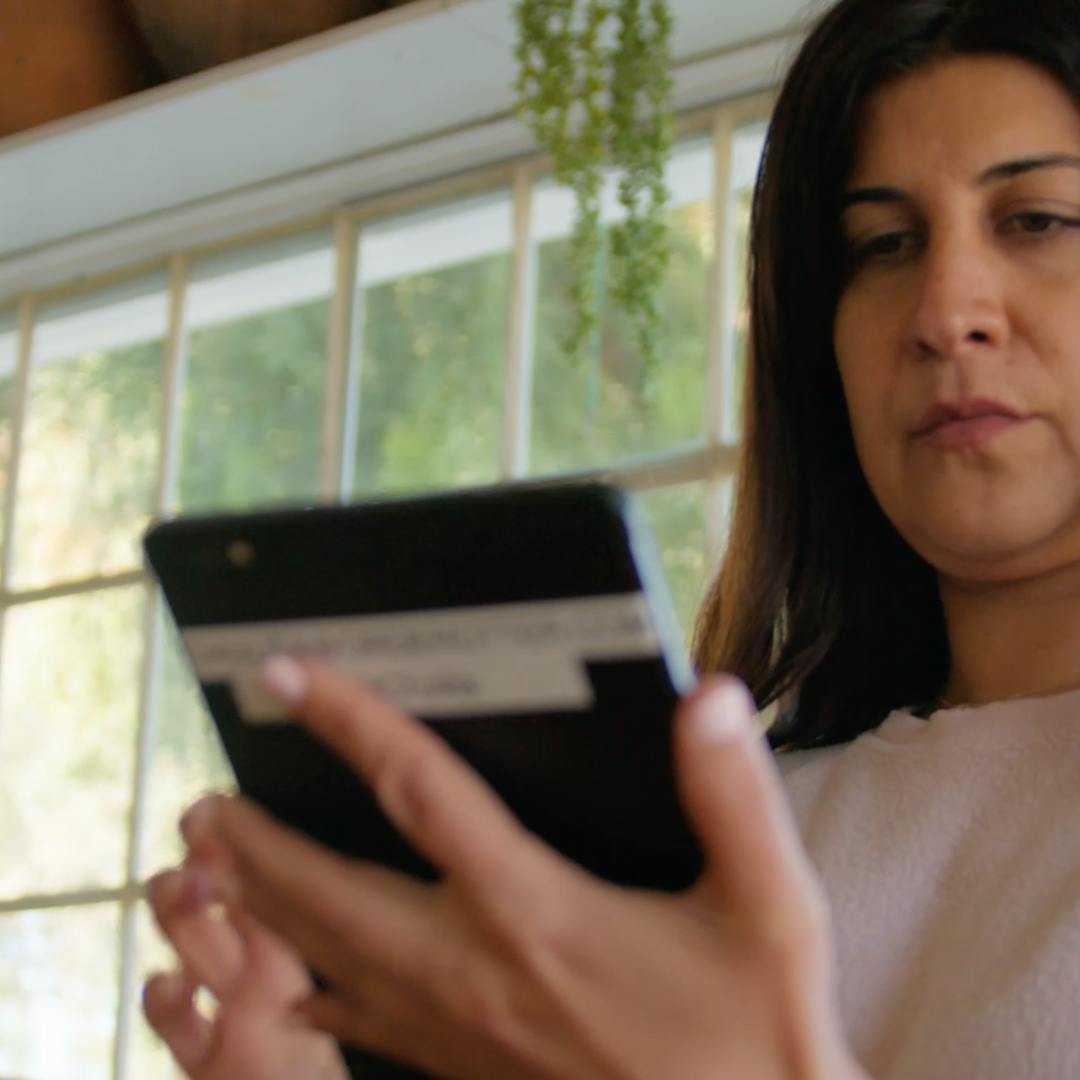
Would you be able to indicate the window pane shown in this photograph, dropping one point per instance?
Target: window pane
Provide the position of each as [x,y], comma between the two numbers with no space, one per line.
[747,147]
[91,442]
[68,704]
[256,366]
[148,1059]
[608,407]
[677,517]
[435,289]
[8,360]
[186,757]
[58,979]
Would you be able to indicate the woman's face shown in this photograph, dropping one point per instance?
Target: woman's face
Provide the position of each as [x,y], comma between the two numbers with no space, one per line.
[958,331]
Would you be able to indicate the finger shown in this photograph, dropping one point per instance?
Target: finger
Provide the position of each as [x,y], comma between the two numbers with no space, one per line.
[376,1022]
[169,1007]
[347,957]
[732,795]
[204,849]
[210,948]
[275,968]
[337,913]
[351,1019]
[437,801]
[334,1014]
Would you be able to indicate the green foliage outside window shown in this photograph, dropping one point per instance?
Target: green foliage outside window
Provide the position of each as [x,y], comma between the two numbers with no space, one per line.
[431,369]
[252,409]
[90,455]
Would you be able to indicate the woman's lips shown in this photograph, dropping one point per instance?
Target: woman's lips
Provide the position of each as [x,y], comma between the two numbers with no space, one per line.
[971,432]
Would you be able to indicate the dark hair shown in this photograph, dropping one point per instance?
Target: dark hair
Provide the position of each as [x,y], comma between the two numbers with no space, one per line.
[820,606]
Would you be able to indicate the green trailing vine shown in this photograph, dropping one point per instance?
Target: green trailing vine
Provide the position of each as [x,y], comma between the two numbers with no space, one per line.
[594,85]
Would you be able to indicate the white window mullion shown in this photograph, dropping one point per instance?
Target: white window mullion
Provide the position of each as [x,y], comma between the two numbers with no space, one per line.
[519,351]
[80,587]
[336,439]
[719,378]
[27,313]
[173,364]
[28,308]
[150,677]
[76,898]
[354,341]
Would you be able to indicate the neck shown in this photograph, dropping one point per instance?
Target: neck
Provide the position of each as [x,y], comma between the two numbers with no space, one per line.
[1012,639]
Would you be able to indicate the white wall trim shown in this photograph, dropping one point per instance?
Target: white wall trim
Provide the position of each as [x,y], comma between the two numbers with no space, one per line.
[700,80]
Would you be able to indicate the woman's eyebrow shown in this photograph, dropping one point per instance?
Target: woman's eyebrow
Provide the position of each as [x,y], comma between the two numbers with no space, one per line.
[1003,171]
[1009,169]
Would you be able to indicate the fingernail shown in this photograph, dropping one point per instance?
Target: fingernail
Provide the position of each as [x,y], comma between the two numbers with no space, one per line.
[198,819]
[209,851]
[198,887]
[163,887]
[725,715]
[168,987]
[286,679]
[187,889]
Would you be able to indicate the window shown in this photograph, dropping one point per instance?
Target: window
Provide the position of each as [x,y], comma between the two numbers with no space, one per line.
[433,294]
[254,372]
[408,343]
[612,409]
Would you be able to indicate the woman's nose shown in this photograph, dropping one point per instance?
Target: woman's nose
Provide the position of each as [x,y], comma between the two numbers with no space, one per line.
[961,303]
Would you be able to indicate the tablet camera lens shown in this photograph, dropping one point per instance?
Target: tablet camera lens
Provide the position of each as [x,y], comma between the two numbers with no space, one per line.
[241,553]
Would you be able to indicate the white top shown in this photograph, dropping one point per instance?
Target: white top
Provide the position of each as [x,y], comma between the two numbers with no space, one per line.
[950,853]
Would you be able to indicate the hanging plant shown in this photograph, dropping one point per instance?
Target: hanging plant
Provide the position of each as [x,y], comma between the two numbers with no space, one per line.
[594,85]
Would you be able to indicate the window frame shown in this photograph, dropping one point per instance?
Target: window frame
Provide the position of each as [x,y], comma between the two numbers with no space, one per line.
[712,463]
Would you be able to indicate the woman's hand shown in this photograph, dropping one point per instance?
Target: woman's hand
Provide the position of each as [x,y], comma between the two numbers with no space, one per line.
[256,978]
[520,964]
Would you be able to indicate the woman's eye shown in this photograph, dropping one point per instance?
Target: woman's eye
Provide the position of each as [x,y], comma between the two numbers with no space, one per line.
[883,249]
[1036,222]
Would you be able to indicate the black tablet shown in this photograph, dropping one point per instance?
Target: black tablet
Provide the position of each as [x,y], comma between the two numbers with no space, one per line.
[529,625]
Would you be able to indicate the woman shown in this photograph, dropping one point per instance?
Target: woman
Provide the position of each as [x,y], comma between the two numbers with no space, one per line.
[904,576]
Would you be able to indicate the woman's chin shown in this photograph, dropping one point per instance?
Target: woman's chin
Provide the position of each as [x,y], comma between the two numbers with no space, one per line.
[990,549]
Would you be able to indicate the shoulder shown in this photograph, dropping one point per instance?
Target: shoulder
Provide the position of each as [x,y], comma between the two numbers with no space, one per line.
[849,772]
[805,773]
